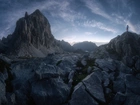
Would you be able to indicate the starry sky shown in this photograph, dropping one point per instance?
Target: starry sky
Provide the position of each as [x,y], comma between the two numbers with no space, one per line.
[76,20]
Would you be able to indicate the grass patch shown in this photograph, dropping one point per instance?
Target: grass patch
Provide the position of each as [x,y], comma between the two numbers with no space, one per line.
[78,78]
[58,62]
[82,72]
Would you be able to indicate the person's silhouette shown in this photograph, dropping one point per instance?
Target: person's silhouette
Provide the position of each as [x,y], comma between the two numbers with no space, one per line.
[127,27]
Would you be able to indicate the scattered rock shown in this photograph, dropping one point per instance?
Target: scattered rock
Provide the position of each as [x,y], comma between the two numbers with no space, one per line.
[94,87]
[118,99]
[132,99]
[119,86]
[128,61]
[106,64]
[132,84]
[81,97]
[44,91]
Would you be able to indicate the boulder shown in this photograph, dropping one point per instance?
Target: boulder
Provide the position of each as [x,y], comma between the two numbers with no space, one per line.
[94,87]
[128,61]
[118,99]
[119,85]
[105,78]
[132,99]
[47,71]
[132,84]
[46,90]
[124,69]
[106,64]
[99,74]
[81,97]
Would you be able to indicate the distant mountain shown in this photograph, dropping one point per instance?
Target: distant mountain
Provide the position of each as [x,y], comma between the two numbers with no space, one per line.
[65,46]
[85,46]
[32,37]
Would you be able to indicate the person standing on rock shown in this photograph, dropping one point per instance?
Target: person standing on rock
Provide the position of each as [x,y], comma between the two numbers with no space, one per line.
[127,27]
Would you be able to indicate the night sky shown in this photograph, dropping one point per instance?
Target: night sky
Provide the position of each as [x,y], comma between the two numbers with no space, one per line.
[76,20]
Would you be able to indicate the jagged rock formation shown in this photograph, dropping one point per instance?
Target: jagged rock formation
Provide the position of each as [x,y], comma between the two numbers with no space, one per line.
[85,46]
[125,45]
[36,81]
[32,37]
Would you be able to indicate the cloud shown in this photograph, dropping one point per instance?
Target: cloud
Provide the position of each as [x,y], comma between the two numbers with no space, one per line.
[74,17]
[61,8]
[99,25]
[126,21]
[96,8]
[88,33]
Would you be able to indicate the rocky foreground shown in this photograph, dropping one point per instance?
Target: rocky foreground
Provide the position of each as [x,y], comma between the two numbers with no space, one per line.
[74,79]
[108,76]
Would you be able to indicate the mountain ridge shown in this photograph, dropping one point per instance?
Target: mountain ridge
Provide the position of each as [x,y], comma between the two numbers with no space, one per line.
[85,46]
[32,37]
[123,45]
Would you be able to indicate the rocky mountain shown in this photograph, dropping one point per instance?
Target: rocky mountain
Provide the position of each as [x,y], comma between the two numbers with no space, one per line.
[65,46]
[123,45]
[85,46]
[128,44]
[77,48]
[110,75]
[32,37]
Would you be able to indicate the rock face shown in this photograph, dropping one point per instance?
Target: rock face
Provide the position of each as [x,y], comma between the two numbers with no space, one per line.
[36,81]
[81,97]
[85,46]
[32,37]
[65,46]
[125,45]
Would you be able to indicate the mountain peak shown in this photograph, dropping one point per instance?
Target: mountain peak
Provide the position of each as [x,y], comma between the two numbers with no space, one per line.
[32,36]
[37,13]
[126,44]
